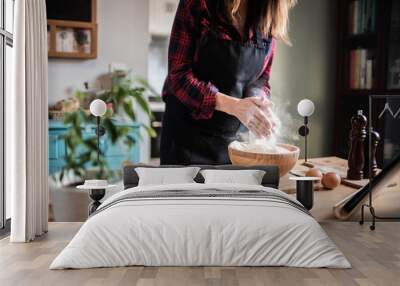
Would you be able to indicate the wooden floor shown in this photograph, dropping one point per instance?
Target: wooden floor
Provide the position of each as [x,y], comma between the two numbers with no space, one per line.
[375,257]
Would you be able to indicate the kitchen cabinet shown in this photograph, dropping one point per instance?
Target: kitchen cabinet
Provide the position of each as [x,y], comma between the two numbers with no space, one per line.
[161,16]
[115,154]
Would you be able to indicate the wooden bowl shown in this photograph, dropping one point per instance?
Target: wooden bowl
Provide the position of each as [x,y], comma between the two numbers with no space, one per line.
[285,161]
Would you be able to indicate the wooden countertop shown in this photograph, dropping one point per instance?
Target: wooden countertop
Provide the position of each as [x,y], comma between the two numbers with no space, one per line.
[324,200]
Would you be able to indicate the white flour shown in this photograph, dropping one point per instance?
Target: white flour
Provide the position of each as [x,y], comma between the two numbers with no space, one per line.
[264,145]
[260,146]
[268,145]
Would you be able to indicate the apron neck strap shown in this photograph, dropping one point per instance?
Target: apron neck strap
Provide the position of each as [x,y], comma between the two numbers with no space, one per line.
[258,37]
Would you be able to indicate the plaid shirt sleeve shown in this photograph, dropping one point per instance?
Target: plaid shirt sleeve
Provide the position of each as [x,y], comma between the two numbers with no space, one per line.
[197,95]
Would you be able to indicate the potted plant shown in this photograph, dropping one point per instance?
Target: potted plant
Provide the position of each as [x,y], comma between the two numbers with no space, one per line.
[121,98]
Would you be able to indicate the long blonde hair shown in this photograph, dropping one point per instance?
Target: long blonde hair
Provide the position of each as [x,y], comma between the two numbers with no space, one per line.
[270,16]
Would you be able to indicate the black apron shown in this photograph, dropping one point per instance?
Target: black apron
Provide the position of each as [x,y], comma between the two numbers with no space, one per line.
[233,67]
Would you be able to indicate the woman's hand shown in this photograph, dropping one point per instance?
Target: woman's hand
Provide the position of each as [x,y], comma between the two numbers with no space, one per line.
[254,112]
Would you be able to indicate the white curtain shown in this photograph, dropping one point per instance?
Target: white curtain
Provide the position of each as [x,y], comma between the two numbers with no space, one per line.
[26,124]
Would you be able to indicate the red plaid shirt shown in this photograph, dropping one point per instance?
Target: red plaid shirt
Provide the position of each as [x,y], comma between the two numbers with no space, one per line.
[190,24]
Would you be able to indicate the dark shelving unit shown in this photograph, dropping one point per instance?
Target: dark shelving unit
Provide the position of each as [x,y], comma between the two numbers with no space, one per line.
[380,43]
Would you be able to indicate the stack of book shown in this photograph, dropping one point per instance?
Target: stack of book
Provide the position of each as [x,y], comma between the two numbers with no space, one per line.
[361,69]
[362,17]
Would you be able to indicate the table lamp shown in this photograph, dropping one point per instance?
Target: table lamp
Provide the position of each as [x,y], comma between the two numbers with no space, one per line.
[98,108]
[305,108]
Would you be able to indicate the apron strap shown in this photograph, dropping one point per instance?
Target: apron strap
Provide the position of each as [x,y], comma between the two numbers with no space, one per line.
[259,39]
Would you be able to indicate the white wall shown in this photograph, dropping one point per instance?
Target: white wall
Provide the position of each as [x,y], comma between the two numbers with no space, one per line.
[307,69]
[123,37]
[158,62]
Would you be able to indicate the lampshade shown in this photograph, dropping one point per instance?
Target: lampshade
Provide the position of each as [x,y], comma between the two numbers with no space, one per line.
[305,108]
[98,107]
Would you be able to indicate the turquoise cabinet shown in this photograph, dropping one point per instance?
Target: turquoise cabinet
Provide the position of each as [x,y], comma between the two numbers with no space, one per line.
[115,153]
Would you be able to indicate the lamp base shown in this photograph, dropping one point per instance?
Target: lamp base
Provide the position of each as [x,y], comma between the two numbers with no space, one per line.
[308,164]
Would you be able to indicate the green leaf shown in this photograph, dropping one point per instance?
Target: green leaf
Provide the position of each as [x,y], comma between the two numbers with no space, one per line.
[81,96]
[149,88]
[152,133]
[82,152]
[142,103]
[111,129]
[128,108]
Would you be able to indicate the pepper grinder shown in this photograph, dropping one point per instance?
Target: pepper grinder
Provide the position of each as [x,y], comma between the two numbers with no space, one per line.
[375,138]
[356,159]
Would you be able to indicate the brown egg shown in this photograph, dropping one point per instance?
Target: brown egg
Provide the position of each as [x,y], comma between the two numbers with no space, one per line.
[314,172]
[331,180]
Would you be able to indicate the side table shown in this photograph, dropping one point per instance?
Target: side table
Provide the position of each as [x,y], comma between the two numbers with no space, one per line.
[305,190]
[96,193]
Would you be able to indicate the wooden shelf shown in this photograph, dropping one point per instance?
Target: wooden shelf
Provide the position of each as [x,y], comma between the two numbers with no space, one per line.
[361,40]
[71,24]
[72,55]
[55,26]
[367,92]
[392,91]
[359,92]
[348,101]
[362,37]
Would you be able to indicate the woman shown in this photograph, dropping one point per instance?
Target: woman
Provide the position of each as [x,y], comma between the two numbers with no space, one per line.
[220,59]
